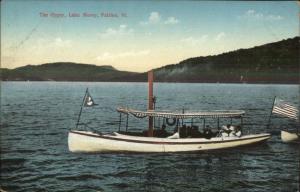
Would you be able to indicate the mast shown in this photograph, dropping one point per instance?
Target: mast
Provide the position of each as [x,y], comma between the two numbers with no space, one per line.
[269,121]
[78,119]
[150,102]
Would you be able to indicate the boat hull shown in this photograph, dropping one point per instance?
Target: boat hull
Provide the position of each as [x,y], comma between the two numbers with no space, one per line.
[288,137]
[82,141]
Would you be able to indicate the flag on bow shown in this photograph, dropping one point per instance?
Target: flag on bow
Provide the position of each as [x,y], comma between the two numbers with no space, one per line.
[285,109]
[88,100]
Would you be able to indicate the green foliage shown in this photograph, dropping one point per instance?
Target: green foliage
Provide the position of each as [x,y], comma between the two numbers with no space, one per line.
[66,71]
[271,63]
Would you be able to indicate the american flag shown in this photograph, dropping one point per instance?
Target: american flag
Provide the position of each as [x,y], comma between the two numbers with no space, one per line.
[285,109]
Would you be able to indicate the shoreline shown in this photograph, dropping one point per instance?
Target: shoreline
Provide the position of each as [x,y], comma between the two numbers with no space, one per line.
[164,82]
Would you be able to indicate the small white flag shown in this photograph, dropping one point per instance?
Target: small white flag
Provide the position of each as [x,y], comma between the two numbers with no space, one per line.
[88,100]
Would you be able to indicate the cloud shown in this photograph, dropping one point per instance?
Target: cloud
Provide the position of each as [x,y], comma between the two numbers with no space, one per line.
[273,17]
[220,36]
[254,15]
[110,57]
[121,31]
[194,41]
[59,42]
[156,18]
[171,20]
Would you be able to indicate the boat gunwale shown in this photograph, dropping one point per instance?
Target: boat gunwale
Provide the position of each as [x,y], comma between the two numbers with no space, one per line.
[262,135]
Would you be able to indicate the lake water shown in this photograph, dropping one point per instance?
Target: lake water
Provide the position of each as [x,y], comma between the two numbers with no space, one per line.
[36,118]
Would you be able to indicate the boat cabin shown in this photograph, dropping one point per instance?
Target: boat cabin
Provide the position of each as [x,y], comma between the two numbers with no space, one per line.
[185,124]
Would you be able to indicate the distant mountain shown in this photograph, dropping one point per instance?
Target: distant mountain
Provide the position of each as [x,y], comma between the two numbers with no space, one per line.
[66,71]
[270,63]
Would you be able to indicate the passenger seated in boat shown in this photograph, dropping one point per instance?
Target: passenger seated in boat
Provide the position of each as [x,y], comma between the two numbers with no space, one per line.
[237,131]
[183,131]
[231,131]
[160,132]
[207,132]
[238,134]
[225,131]
[163,132]
[226,128]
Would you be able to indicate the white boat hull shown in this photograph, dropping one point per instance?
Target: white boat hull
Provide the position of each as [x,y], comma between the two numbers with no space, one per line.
[83,141]
[289,137]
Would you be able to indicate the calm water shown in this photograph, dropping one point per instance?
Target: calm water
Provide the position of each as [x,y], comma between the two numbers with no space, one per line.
[36,117]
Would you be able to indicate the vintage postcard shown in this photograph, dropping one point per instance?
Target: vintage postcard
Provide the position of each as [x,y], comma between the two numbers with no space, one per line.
[149,96]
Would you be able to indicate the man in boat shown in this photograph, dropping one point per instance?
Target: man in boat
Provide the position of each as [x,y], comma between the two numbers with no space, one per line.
[226,130]
[158,132]
[232,131]
[207,132]
[238,131]
[163,133]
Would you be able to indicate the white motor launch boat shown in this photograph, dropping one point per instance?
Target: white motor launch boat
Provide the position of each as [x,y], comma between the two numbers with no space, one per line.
[288,137]
[82,141]
[177,131]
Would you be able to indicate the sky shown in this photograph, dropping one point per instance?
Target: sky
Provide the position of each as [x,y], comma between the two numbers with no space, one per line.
[137,35]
